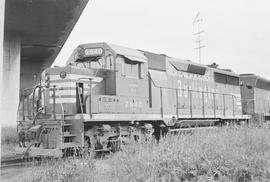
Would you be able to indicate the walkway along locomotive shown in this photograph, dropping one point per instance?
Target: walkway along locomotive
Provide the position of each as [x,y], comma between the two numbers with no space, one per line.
[107,95]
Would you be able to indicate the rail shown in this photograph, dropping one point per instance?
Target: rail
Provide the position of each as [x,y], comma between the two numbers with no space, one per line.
[12,162]
[234,98]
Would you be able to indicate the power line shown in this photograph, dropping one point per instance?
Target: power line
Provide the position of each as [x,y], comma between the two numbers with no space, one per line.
[197,20]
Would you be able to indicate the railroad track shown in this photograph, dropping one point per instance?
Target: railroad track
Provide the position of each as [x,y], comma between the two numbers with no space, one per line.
[14,161]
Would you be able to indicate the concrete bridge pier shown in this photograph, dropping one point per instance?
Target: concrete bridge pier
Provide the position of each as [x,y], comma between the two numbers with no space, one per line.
[32,34]
[2,19]
[11,77]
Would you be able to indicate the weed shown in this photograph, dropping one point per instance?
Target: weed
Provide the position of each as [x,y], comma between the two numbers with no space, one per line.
[9,140]
[226,154]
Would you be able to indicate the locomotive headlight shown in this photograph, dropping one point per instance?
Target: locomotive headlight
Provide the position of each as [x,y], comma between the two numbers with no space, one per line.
[63,74]
[47,80]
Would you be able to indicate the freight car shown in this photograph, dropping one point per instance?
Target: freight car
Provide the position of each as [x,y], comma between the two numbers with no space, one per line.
[108,95]
[255,93]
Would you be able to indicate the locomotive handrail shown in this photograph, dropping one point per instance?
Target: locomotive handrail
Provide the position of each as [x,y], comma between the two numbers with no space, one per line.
[77,85]
[61,103]
[39,110]
[18,109]
[171,88]
[22,101]
[188,90]
[33,101]
[90,94]
[54,88]
[90,91]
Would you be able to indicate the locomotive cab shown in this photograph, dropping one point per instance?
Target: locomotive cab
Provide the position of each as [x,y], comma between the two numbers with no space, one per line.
[122,75]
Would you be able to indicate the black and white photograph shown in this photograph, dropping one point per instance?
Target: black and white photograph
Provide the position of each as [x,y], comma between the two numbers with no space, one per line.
[135,90]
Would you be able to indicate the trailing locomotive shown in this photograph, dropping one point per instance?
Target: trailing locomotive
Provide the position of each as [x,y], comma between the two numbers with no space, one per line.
[255,93]
[108,95]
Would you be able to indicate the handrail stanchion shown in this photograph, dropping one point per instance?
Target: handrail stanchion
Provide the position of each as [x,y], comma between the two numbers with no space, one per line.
[27,103]
[224,108]
[54,110]
[177,104]
[233,105]
[214,99]
[61,103]
[161,102]
[33,103]
[79,94]
[23,118]
[190,102]
[28,106]
[203,104]
[90,97]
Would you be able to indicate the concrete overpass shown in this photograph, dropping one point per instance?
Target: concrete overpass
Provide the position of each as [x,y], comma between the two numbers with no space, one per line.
[32,33]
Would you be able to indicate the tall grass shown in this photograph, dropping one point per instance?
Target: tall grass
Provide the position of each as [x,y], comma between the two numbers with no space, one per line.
[241,154]
[9,139]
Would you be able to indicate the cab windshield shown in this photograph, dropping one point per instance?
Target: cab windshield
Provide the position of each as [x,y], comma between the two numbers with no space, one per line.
[97,62]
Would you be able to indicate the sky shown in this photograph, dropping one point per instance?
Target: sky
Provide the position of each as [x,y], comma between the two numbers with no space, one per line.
[236,32]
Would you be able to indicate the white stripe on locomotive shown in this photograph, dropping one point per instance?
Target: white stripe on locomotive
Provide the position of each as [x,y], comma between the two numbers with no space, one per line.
[62,100]
[75,77]
[60,85]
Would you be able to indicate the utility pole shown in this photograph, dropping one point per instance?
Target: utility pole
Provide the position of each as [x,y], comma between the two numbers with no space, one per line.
[197,20]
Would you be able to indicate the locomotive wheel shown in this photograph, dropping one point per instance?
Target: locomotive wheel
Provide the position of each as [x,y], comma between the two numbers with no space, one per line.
[87,148]
[115,144]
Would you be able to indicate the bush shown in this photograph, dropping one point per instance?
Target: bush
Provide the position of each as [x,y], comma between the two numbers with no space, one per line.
[9,135]
[9,139]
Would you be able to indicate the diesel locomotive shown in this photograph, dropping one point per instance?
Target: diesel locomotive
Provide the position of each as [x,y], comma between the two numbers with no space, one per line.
[108,95]
[255,93]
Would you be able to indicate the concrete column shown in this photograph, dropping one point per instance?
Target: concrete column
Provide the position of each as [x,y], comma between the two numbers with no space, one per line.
[2,19]
[11,78]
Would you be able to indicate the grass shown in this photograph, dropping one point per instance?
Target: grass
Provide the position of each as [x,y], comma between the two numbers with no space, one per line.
[239,155]
[9,139]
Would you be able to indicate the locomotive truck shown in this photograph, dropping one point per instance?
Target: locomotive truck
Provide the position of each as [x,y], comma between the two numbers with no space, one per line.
[108,95]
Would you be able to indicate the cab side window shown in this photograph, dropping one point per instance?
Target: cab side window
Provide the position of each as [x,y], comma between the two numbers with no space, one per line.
[120,65]
[130,68]
[141,70]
